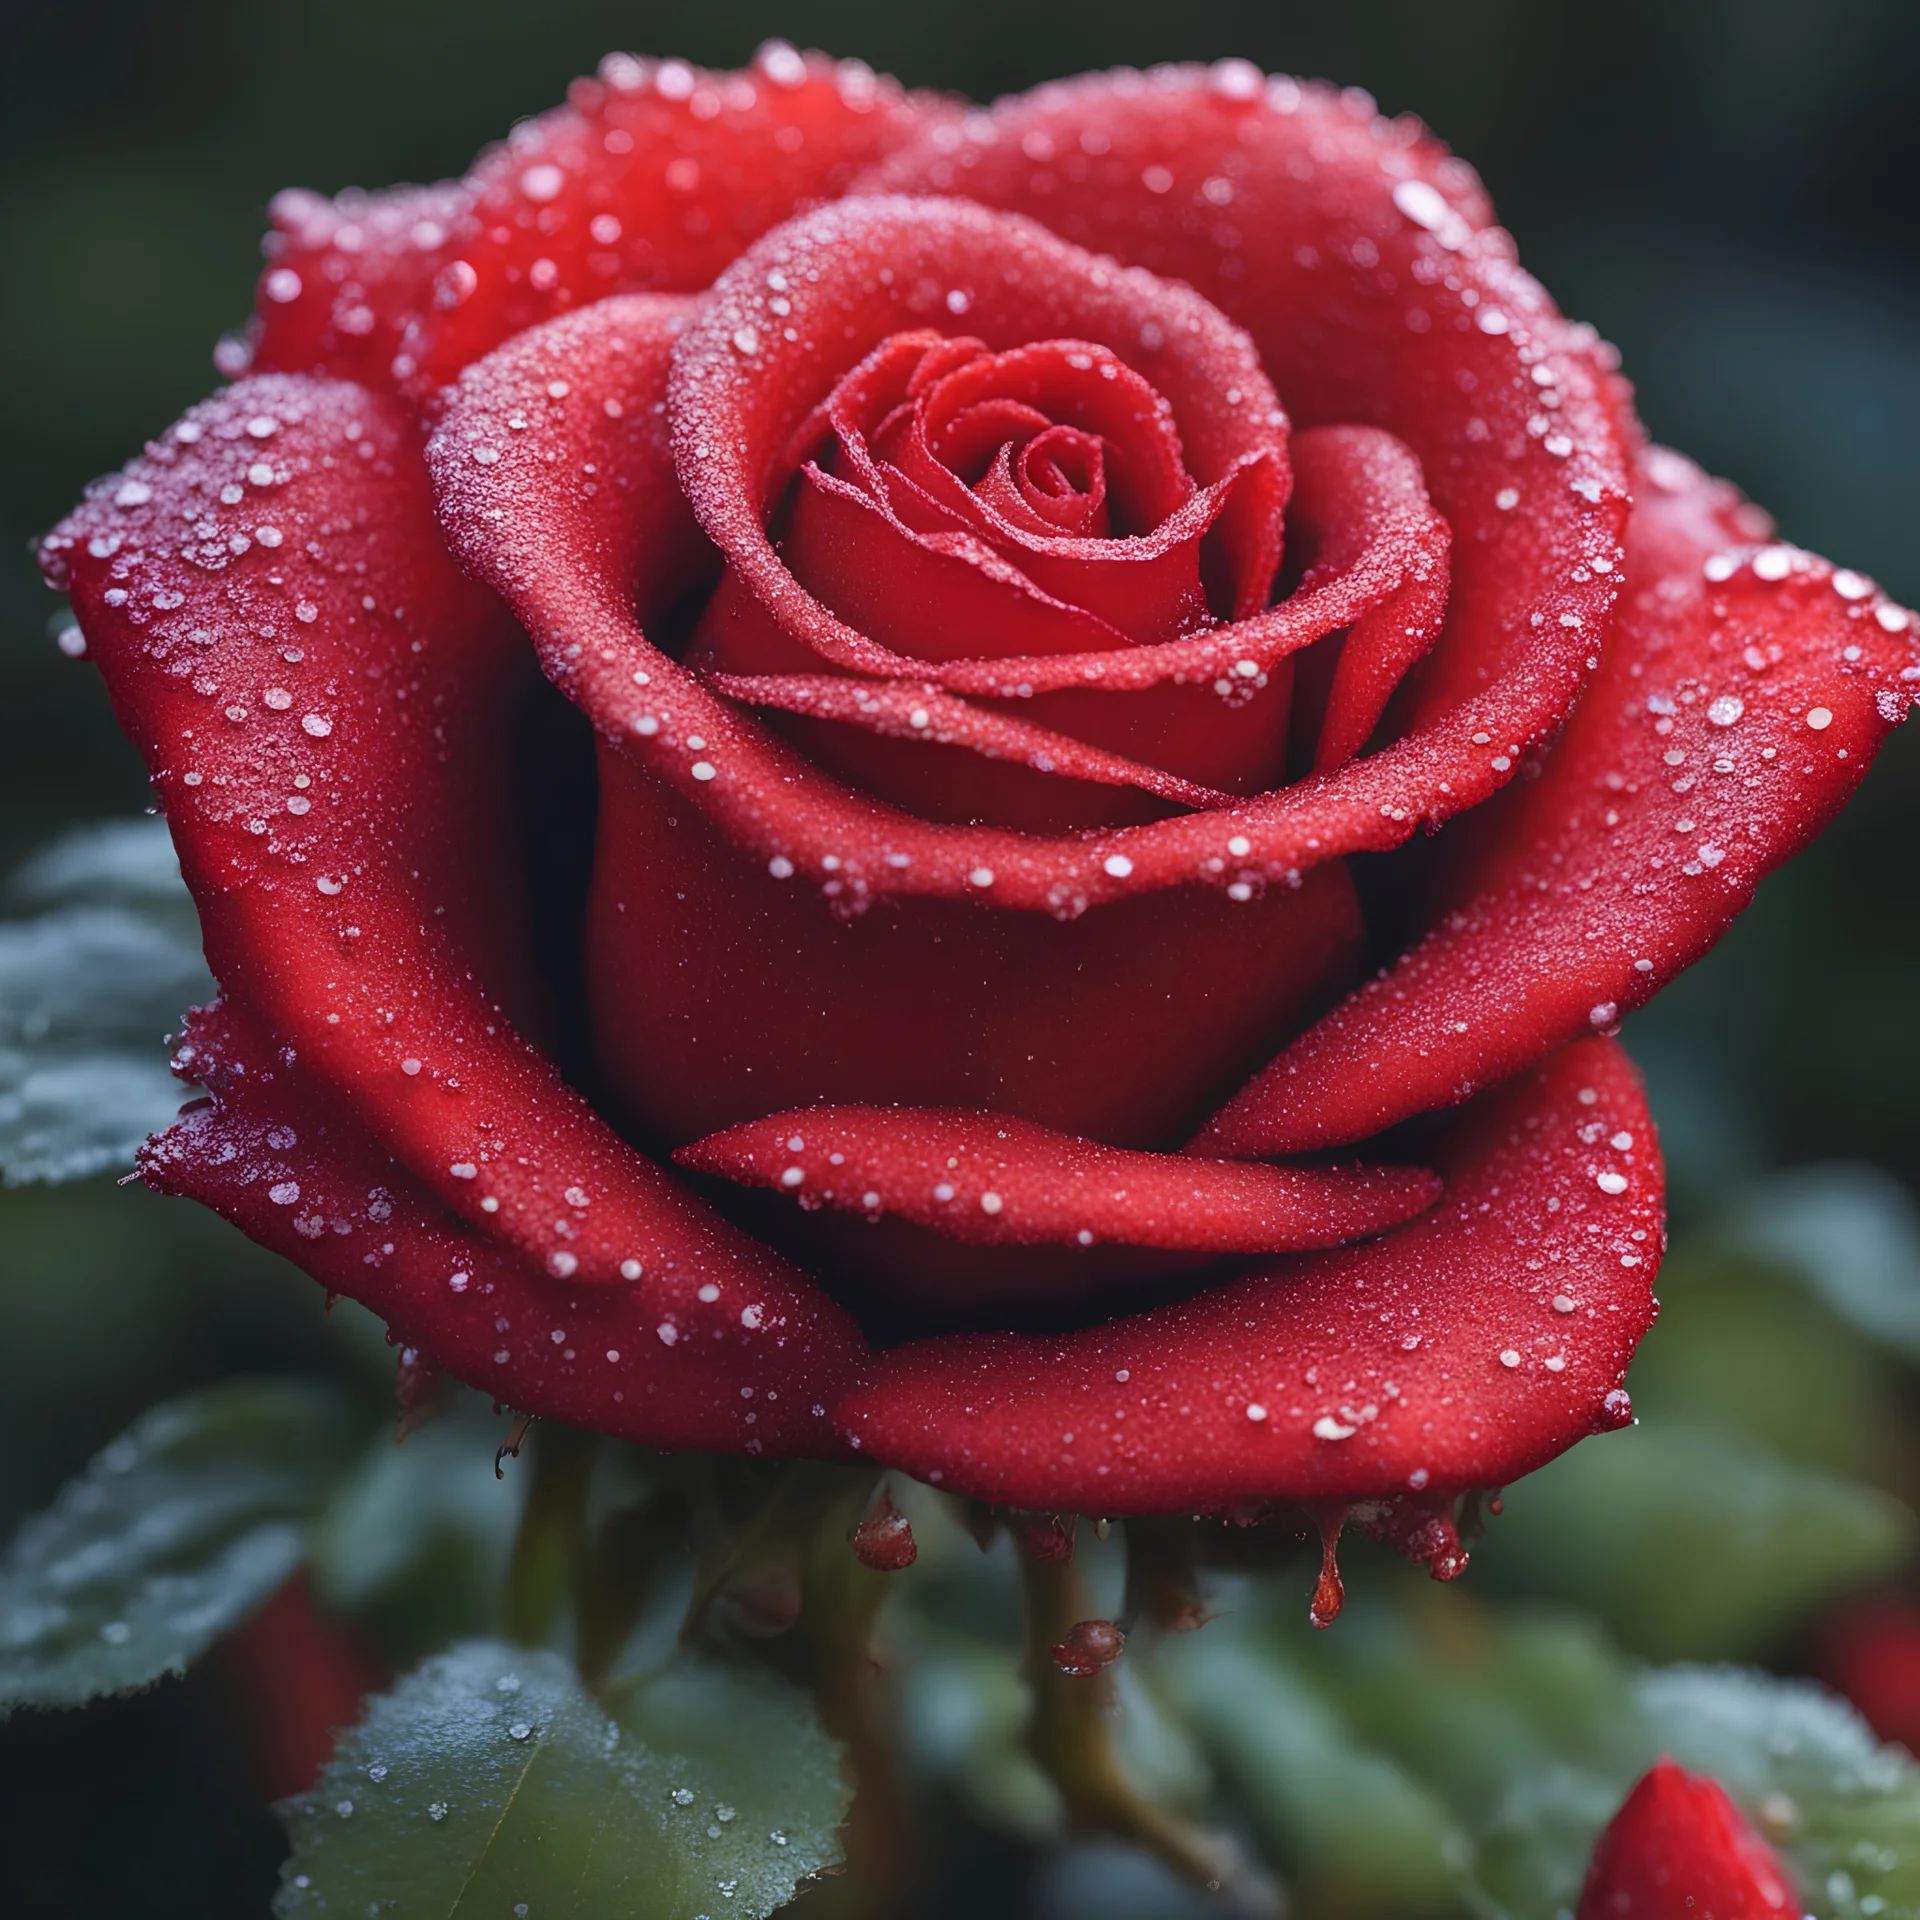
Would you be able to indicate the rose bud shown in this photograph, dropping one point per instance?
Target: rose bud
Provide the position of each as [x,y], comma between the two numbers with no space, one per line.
[1679,1849]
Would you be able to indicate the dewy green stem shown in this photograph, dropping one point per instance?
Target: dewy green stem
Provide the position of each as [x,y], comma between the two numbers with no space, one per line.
[1069,1736]
[550,1548]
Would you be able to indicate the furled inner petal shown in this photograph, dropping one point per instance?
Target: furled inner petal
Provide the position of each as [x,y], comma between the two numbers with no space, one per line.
[1364,261]
[992,1179]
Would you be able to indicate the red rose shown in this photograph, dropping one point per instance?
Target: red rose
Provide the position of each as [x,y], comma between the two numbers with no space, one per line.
[1023,570]
[1679,1849]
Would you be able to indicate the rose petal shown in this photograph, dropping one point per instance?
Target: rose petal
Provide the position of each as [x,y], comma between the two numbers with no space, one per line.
[895,711]
[1359,256]
[1463,1350]
[691,1036]
[992,1179]
[575,559]
[653,176]
[346,277]
[852,275]
[1740,705]
[325,717]
[717,1344]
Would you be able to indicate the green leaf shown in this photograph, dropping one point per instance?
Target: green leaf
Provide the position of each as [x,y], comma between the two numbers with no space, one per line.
[1351,1825]
[1746,1346]
[1522,1732]
[1854,1233]
[489,1782]
[172,1535]
[1691,1543]
[89,988]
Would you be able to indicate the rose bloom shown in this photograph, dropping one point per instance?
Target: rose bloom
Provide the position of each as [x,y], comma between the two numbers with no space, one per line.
[809,725]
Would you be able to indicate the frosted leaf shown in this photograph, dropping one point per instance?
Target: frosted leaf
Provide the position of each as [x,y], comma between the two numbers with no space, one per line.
[174,1533]
[89,987]
[539,1798]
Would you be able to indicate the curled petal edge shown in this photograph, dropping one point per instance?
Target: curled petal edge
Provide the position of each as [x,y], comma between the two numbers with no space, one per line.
[991,1179]
[1463,1350]
[1743,700]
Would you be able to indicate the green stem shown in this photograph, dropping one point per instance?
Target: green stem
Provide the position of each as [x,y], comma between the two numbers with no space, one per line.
[627,1554]
[835,1640]
[550,1548]
[1069,1736]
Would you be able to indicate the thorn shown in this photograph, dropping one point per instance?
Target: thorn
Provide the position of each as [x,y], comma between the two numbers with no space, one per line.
[515,1434]
[884,1539]
[331,1298]
[982,1523]
[1089,1648]
[1047,1537]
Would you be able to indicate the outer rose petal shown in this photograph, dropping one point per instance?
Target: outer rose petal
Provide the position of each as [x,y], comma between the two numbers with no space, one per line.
[653,176]
[327,709]
[1356,253]
[344,277]
[991,1179]
[1679,1849]
[1742,700]
[696,1353]
[1464,1350]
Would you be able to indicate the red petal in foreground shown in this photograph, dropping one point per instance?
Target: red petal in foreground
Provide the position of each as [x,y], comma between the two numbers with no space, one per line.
[326,706]
[293,1679]
[653,176]
[1679,1849]
[989,1180]
[1743,698]
[718,1345]
[1464,1350]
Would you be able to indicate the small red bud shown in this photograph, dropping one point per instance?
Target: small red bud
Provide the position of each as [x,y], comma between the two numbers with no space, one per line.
[1679,1849]
[1088,1648]
[884,1539]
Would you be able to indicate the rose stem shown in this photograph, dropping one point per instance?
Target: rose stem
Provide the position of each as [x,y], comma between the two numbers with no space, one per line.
[1068,1736]
[550,1547]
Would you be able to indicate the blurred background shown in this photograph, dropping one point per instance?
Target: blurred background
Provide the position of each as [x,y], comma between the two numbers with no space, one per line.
[1725,187]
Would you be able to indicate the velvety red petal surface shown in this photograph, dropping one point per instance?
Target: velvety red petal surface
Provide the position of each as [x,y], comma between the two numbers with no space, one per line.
[327,708]
[868,886]
[1741,701]
[1679,1849]
[1358,255]
[991,1179]
[653,176]
[1465,1349]
[731,978]
[736,1354]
